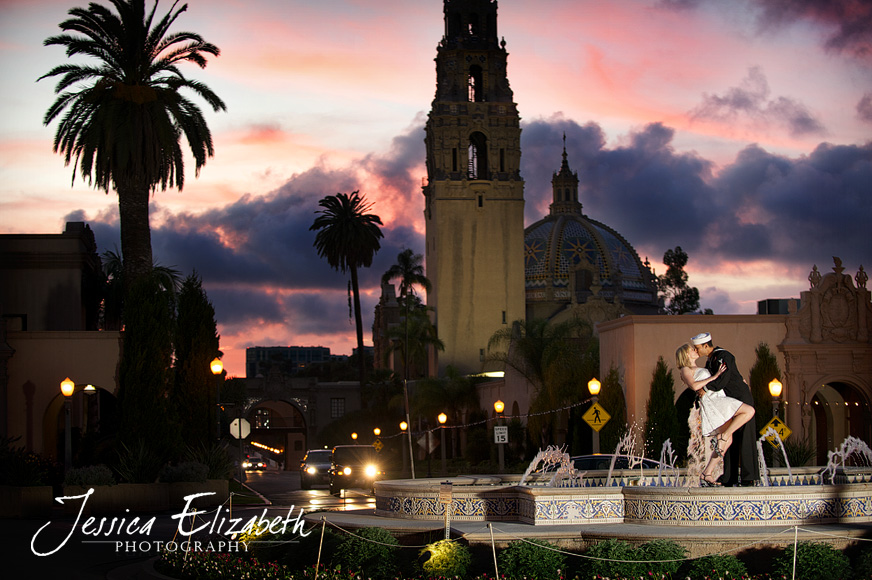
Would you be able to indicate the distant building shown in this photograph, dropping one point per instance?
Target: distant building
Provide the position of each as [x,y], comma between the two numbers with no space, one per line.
[259,359]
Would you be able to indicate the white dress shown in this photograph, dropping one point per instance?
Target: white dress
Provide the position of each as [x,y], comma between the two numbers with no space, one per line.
[715,407]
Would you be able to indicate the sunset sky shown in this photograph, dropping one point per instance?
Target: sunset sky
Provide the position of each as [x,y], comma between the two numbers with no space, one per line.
[740,131]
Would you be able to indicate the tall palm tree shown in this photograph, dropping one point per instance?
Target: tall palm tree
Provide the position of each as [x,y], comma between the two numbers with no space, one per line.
[413,337]
[348,237]
[124,115]
[409,271]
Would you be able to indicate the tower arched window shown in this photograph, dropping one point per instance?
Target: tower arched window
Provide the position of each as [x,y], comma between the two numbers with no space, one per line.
[477,162]
[473,25]
[476,88]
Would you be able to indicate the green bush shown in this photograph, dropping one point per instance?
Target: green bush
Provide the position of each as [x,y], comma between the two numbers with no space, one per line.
[294,550]
[814,562]
[602,560]
[215,457]
[863,564]
[90,475]
[724,566]
[665,557]
[531,559]
[138,463]
[185,471]
[371,551]
[447,559]
[20,467]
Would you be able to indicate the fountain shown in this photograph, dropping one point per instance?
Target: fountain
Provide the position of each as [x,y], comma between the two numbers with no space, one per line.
[566,497]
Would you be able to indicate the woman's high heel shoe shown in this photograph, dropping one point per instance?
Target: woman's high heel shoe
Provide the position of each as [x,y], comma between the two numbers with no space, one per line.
[704,481]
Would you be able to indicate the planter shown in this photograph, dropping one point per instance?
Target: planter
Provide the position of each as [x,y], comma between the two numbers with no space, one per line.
[108,500]
[178,490]
[25,501]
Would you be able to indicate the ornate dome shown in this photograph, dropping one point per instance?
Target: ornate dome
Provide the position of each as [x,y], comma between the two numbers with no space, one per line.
[570,258]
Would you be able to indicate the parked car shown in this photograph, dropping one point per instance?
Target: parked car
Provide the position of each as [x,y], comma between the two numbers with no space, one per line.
[354,466]
[315,467]
[603,461]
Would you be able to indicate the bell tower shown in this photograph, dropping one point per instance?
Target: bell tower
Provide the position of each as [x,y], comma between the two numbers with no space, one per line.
[474,195]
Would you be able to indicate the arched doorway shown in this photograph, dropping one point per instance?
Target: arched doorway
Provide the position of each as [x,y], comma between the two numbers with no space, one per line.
[93,424]
[278,431]
[839,410]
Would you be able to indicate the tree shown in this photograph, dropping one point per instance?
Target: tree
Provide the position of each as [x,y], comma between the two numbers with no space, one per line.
[413,337]
[683,299]
[196,344]
[348,238]
[168,279]
[661,417]
[613,401]
[555,359]
[125,115]
[409,271]
[764,370]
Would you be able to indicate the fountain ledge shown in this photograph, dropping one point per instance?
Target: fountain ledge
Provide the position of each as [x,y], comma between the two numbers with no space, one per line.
[630,498]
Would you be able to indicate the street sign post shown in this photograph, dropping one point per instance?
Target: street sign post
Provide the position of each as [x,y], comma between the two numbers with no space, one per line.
[779,427]
[596,416]
[240,428]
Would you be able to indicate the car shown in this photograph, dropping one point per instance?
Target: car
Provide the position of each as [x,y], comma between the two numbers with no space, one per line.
[254,464]
[315,467]
[602,461]
[353,466]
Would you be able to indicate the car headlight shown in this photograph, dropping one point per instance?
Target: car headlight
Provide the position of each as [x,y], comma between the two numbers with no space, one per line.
[347,471]
[311,470]
[246,464]
[371,470]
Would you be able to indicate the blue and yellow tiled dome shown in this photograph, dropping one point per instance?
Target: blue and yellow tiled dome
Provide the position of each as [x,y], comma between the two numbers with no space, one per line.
[568,258]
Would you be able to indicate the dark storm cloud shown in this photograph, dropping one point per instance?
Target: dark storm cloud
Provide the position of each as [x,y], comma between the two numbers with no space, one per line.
[848,23]
[751,102]
[762,206]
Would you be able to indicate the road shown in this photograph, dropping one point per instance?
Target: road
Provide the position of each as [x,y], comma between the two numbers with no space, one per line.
[282,489]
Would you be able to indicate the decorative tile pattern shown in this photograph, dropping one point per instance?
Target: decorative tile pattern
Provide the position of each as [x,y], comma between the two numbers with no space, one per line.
[634,500]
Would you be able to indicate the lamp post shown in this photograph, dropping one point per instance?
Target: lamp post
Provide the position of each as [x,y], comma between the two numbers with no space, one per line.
[499,407]
[217,368]
[775,388]
[403,427]
[594,387]
[442,418]
[67,388]
[376,432]
[89,390]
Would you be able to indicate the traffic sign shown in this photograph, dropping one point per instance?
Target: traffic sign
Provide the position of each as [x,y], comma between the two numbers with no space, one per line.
[240,428]
[501,434]
[378,445]
[780,427]
[596,416]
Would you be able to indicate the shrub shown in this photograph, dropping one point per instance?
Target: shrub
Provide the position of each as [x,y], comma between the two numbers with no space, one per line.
[215,457]
[665,557]
[185,471]
[90,475]
[863,564]
[138,464]
[371,551]
[447,558]
[724,566]
[294,550]
[799,451]
[531,559]
[815,562]
[21,467]
[602,560]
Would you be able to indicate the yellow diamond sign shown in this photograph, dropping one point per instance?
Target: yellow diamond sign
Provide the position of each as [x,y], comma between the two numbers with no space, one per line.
[596,417]
[780,427]
[378,445]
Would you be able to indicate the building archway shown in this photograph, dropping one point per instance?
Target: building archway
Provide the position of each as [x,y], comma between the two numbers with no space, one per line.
[279,431]
[838,410]
[93,417]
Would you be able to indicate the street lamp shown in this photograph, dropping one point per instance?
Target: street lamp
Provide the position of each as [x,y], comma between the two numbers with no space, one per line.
[442,418]
[403,427]
[67,388]
[217,368]
[376,431]
[499,407]
[775,388]
[594,387]
[354,436]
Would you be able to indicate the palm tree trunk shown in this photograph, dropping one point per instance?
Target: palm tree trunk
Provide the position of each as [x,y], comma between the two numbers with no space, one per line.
[358,321]
[133,197]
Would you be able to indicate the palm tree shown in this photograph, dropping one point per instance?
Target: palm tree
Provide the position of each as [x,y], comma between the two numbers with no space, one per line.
[125,114]
[413,337]
[168,280]
[554,358]
[410,272]
[348,238]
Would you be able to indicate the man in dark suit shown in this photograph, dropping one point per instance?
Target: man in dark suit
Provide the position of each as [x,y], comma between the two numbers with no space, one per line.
[742,451]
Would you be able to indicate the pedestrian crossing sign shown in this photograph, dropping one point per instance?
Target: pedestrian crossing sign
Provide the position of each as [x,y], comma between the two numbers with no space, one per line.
[596,417]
